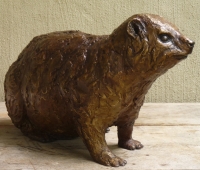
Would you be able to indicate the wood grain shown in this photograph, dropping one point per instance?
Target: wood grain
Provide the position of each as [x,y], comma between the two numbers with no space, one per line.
[171,142]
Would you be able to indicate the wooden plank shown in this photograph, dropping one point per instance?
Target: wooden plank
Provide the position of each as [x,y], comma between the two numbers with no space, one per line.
[169,114]
[167,147]
[170,134]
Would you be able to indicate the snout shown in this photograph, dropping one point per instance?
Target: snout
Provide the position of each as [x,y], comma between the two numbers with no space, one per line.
[190,44]
[187,46]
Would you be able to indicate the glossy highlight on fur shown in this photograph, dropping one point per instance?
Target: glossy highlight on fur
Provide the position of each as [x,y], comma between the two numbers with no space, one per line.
[69,84]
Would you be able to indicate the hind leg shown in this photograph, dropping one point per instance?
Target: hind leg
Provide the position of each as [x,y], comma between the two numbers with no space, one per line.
[28,130]
[18,115]
[16,107]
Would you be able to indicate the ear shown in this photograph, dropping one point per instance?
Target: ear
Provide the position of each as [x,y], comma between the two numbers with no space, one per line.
[136,28]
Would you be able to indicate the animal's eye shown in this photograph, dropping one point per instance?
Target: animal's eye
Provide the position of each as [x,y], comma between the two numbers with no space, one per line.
[164,37]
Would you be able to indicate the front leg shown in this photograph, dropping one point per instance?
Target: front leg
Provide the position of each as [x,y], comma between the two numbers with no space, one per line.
[94,138]
[125,138]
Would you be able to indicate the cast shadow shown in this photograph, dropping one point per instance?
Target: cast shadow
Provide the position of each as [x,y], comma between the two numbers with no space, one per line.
[11,137]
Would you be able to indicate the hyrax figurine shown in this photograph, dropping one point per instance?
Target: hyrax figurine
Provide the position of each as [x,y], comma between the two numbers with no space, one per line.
[69,84]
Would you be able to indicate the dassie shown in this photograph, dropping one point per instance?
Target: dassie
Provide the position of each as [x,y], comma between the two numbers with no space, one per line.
[69,84]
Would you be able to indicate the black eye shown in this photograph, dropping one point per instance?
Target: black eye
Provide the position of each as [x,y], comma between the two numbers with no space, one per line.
[164,37]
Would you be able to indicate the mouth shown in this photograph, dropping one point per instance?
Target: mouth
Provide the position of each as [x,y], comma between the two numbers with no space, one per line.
[180,57]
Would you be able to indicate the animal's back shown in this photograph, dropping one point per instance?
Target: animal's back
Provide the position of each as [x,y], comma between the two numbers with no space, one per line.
[35,83]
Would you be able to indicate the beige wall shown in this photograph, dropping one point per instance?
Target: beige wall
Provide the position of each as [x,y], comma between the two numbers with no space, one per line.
[21,20]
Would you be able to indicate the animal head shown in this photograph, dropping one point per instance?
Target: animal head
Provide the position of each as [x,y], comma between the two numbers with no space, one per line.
[153,43]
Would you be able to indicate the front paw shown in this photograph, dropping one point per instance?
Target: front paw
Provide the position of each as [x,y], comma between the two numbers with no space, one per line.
[130,144]
[109,159]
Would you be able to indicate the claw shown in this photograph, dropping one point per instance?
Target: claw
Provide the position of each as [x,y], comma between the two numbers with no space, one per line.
[109,159]
[130,144]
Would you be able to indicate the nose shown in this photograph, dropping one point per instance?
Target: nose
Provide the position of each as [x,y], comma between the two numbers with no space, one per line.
[190,43]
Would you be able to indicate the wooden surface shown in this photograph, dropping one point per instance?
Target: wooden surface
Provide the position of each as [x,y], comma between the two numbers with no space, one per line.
[170,134]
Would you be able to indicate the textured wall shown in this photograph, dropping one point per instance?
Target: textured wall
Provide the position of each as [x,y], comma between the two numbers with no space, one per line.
[21,20]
